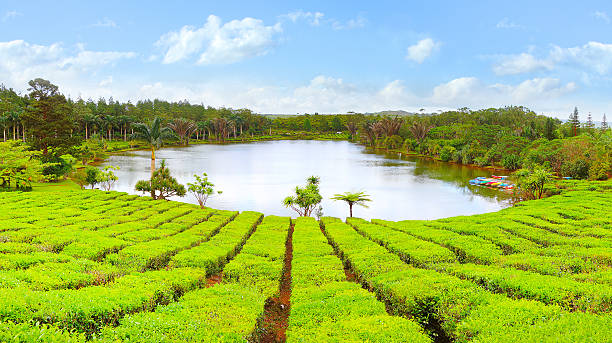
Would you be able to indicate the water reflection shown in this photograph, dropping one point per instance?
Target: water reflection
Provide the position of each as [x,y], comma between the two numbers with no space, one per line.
[257,176]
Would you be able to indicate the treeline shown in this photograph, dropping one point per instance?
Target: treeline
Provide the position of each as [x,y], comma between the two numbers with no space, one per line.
[510,137]
[112,119]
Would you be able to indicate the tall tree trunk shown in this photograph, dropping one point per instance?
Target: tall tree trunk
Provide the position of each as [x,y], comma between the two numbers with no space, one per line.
[86,133]
[351,210]
[152,170]
[14,131]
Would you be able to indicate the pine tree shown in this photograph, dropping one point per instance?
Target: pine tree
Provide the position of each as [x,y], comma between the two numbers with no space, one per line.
[574,121]
[604,123]
[589,123]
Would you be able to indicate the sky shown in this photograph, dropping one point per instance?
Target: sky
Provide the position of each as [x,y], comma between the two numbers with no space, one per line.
[318,56]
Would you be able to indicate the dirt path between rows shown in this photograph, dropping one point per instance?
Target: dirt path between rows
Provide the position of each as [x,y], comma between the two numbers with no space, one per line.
[277,309]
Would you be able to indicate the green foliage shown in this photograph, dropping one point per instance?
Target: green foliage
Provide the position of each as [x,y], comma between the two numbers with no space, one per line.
[531,184]
[446,154]
[161,185]
[48,118]
[359,198]
[306,199]
[511,162]
[107,178]
[599,170]
[92,176]
[19,166]
[202,189]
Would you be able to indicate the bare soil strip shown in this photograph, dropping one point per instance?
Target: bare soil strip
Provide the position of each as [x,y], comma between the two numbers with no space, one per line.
[276,310]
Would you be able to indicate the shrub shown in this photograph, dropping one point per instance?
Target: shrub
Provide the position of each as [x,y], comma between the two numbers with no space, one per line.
[446,154]
[511,161]
[578,169]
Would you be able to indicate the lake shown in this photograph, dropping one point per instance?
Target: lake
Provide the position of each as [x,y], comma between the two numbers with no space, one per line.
[258,176]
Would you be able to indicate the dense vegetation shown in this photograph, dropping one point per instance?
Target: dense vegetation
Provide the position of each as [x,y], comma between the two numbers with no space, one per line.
[58,129]
[107,266]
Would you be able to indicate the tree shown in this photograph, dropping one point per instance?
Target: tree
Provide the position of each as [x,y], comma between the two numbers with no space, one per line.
[336,124]
[589,125]
[306,199]
[92,176]
[351,199]
[153,135]
[161,182]
[574,121]
[107,178]
[549,129]
[19,165]
[351,126]
[604,123]
[532,183]
[183,129]
[48,117]
[419,130]
[307,125]
[202,189]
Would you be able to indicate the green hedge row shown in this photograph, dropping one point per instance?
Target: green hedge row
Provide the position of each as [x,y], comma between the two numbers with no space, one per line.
[156,254]
[467,248]
[88,309]
[260,262]
[463,309]
[409,248]
[213,254]
[325,307]
[569,294]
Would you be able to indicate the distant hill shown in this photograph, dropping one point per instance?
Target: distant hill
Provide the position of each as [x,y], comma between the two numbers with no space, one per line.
[398,113]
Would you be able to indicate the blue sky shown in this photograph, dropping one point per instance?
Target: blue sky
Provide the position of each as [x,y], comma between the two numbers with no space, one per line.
[320,56]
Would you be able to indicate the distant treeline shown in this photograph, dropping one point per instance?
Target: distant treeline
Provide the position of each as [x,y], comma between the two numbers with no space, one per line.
[512,137]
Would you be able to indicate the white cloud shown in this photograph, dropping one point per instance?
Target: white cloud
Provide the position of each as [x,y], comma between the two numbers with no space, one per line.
[318,19]
[107,81]
[523,63]
[592,57]
[422,50]
[106,22]
[602,16]
[506,23]
[354,23]
[220,43]
[10,15]
[472,92]
[313,18]
[72,69]
[326,94]
[595,56]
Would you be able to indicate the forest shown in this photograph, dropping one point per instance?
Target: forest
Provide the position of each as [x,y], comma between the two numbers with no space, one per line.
[55,130]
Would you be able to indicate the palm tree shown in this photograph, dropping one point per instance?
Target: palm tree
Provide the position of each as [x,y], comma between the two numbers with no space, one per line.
[4,124]
[183,128]
[152,134]
[353,199]
[89,120]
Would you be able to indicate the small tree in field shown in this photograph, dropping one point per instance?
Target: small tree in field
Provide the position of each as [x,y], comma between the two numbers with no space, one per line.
[306,199]
[107,178]
[531,184]
[353,199]
[91,176]
[202,189]
[161,185]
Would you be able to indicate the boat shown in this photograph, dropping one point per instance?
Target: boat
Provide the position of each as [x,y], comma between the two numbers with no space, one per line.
[495,181]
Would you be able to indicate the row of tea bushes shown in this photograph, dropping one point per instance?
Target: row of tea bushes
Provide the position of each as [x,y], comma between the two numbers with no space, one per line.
[462,308]
[213,254]
[325,307]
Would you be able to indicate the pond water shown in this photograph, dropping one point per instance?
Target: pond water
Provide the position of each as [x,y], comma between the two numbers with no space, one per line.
[258,176]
